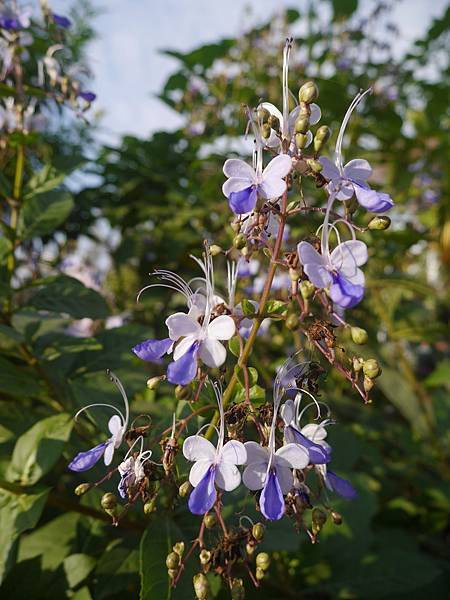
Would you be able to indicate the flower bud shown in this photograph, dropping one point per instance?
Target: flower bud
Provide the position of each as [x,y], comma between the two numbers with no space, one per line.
[302,124]
[184,489]
[259,574]
[315,165]
[183,392]
[307,289]
[153,382]
[201,586]
[371,368]
[292,322]
[263,561]
[294,275]
[359,335]
[215,250]
[379,223]
[274,122]
[82,488]
[322,136]
[250,548]
[265,130]
[172,573]
[263,114]
[172,560]
[210,521]
[240,241]
[236,226]
[336,517]
[245,251]
[368,384]
[258,531]
[309,92]
[205,557]
[108,501]
[301,139]
[149,507]
[179,548]
[358,364]
[237,589]
[319,517]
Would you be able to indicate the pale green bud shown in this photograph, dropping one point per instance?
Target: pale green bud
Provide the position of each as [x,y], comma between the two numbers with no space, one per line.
[82,488]
[371,368]
[215,250]
[183,392]
[172,560]
[263,561]
[237,589]
[265,130]
[179,548]
[258,531]
[153,382]
[359,335]
[322,136]
[336,517]
[357,364]
[263,114]
[108,501]
[301,139]
[205,557]
[302,124]
[379,223]
[149,507]
[307,289]
[315,165]
[240,241]
[309,92]
[274,122]
[210,521]
[201,586]
[184,488]
[292,322]
[259,574]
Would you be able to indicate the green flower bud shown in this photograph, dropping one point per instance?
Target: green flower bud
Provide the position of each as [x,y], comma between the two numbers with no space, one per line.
[259,574]
[368,384]
[82,488]
[274,122]
[307,289]
[179,548]
[215,250]
[149,507]
[245,251]
[358,364]
[302,124]
[258,531]
[237,589]
[240,241]
[314,165]
[294,275]
[172,560]
[336,517]
[183,392]
[379,223]
[359,335]
[184,489]
[263,114]
[236,226]
[210,521]
[322,136]
[292,322]
[172,573]
[108,501]
[371,368]
[309,92]
[319,517]
[263,561]
[301,139]
[250,549]
[153,382]
[205,557]
[201,586]
[265,130]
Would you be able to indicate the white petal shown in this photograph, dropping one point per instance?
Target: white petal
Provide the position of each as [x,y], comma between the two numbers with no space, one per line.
[254,475]
[222,328]
[348,255]
[358,168]
[313,432]
[235,184]
[315,115]
[356,277]
[272,187]
[182,347]
[228,477]
[196,447]
[256,453]
[309,255]
[292,455]
[212,352]
[180,324]
[234,452]
[273,110]
[279,166]
[115,424]
[345,191]
[330,170]
[287,412]
[198,471]
[309,138]
[285,479]
[318,275]
[235,167]
[109,453]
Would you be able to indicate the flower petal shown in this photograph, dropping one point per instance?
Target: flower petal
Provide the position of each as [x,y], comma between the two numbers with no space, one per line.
[272,187]
[198,471]
[153,350]
[254,476]
[109,452]
[243,201]
[180,324]
[86,460]
[318,455]
[235,184]
[228,476]
[279,167]
[329,170]
[204,495]
[212,352]
[341,486]
[287,412]
[183,370]
[256,453]
[285,479]
[222,328]
[372,200]
[314,432]
[271,501]
[234,452]
[196,447]
[344,293]
[349,255]
[115,424]
[309,255]
[235,167]
[315,115]
[358,168]
[318,275]
[292,455]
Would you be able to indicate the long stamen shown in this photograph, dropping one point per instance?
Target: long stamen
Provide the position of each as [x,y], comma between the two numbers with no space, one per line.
[175,283]
[99,404]
[121,389]
[232,277]
[286,56]
[218,393]
[316,403]
[325,229]
[139,439]
[351,108]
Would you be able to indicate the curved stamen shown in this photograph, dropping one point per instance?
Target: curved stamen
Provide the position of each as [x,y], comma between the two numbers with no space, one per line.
[351,108]
[100,404]
[121,389]
[315,403]
[139,439]
[286,55]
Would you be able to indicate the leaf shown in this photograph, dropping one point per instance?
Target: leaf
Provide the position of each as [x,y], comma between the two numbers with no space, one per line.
[38,450]
[5,249]
[248,308]
[257,395]
[45,212]
[78,567]
[275,307]
[344,8]
[252,375]
[43,181]
[18,381]
[18,512]
[235,346]
[440,376]
[156,543]
[66,295]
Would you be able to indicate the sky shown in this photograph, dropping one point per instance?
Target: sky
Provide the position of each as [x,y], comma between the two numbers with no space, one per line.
[129,70]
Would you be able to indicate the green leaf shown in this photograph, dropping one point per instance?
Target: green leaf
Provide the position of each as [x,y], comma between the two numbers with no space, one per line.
[248,308]
[440,376]
[38,450]
[66,295]
[18,381]
[18,512]
[45,212]
[252,375]
[257,395]
[77,567]
[275,307]
[235,346]
[344,8]
[43,181]
[156,543]
[5,249]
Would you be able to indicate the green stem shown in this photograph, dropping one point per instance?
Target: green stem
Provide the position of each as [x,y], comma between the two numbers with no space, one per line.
[228,393]
[15,204]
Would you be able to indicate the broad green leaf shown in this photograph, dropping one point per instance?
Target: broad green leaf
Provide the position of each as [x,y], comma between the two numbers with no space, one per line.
[18,512]
[77,567]
[440,376]
[38,450]
[275,307]
[248,308]
[252,375]
[42,214]
[257,395]
[235,346]
[66,295]
[344,8]
[43,181]
[18,381]
[5,249]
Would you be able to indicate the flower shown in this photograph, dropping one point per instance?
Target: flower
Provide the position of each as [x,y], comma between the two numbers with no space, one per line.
[61,21]
[351,178]
[12,20]
[213,466]
[87,96]
[269,470]
[132,469]
[117,426]
[337,270]
[337,484]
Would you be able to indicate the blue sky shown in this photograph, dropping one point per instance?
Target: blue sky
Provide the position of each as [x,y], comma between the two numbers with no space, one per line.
[129,71]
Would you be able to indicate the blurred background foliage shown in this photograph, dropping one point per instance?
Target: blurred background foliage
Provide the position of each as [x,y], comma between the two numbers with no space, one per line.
[86,249]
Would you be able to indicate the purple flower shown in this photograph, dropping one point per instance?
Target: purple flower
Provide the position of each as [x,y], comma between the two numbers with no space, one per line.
[132,469]
[61,21]
[88,96]
[341,486]
[337,270]
[13,21]
[153,350]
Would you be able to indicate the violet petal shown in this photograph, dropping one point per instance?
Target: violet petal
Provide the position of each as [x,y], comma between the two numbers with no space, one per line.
[85,460]
[203,496]
[271,501]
